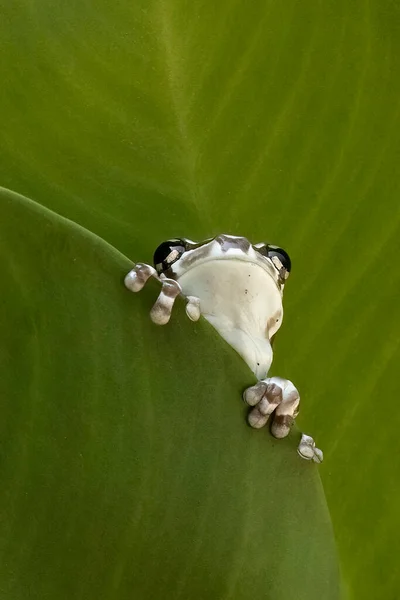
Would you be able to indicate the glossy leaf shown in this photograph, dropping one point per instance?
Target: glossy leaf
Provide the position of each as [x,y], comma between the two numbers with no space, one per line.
[128,467]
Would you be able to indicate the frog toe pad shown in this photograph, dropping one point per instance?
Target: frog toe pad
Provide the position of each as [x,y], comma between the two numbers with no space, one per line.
[265,396]
[308,451]
[160,314]
[193,308]
[136,279]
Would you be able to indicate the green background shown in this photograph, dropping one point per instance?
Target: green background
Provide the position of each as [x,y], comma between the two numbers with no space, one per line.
[146,120]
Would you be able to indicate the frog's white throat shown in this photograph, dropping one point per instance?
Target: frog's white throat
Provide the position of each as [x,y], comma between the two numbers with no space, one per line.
[241,300]
[256,352]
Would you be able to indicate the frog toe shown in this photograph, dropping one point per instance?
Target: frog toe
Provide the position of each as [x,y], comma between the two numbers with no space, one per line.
[308,451]
[160,314]
[252,395]
[264,397]
[256,419]
[281,426]
[318,456]
[193,308]
[136,279]
[265,392]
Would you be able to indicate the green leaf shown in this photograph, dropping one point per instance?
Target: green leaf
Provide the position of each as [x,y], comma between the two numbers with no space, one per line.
[128,468]
[155,118]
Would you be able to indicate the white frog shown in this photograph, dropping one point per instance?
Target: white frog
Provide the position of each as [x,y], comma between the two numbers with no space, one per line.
[237,287]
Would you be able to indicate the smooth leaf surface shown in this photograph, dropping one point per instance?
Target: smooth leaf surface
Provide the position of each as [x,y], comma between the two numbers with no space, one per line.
[129,473]
[153,119]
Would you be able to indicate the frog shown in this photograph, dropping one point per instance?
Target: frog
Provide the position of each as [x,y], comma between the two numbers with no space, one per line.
[237,286]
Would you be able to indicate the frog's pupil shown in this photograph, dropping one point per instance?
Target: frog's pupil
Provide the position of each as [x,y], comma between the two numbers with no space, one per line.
[167,253]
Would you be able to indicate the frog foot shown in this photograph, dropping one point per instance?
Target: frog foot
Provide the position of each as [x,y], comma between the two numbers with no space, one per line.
[281,398]
[160,314]
[273,395]
[307,449]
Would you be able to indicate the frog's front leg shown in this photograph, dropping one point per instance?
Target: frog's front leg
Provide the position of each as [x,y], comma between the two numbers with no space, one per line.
[281,398]
[160,314]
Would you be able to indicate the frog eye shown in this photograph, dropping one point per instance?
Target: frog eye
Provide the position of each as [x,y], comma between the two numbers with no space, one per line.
[167,253]
[274,252]
[278,256]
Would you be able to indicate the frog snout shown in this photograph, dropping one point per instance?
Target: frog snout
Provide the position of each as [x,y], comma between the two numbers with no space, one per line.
[232,241]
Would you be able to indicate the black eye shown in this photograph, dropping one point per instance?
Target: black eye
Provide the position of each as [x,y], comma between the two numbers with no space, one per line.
[167,253]
[279,257]
[281,254]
